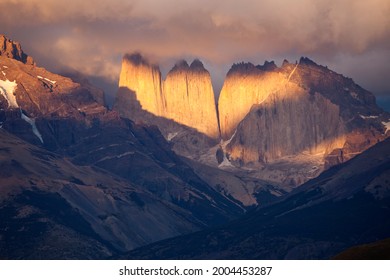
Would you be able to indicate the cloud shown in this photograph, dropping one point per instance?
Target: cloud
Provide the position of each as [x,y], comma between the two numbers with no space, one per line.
[91,36]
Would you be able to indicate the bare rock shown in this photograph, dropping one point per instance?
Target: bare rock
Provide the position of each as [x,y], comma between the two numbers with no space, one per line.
[11,49]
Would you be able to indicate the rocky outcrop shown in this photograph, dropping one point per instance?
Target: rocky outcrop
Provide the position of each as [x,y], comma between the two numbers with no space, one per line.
[144,81]
[11,49]
[186,96]
[287,125]
[297,108]
[300,112]
[189,98]
[245,85]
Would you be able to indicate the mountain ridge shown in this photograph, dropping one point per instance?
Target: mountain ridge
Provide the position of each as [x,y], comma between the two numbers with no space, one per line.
[264,115]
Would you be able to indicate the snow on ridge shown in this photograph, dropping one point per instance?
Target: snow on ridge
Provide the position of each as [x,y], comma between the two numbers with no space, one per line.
[3,72]
[171,136]
[7,89]
[227,142]
[368,117]
[46,79]
[33,126]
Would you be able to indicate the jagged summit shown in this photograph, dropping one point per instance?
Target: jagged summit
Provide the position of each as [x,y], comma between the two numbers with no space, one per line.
[12,49]
[181,65]
[242,68]
[307,61]
[197,65]
[267,66]
[285,62]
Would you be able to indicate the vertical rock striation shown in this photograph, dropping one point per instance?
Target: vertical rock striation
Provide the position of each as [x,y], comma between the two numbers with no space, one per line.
[189,97]
[297,108]
[186,96]
[143,80]
[266,113]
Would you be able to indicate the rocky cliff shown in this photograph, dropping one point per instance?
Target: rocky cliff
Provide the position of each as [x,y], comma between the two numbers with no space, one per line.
[189,98]
[143,80]
[292,121]
[297,108]
[11,49]
[186,96]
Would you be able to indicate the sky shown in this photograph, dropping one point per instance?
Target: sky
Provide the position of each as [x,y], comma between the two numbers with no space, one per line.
[351,37]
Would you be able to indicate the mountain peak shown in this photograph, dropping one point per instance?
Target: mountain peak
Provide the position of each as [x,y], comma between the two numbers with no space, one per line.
[197,65]
[12,49]
[242,68]
[181,65]
[136,59]
[267,66]
[307,61]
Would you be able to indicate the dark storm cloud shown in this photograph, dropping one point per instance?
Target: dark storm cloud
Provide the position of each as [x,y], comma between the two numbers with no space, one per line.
[91,36]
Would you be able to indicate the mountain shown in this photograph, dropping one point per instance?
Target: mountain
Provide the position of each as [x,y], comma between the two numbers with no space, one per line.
[345,206]
[189,98]
[294,114]
[182,106]
[54,209]
[79,180]
[67,120]
[297,108]
[11,49]
[185,96]
[285,124]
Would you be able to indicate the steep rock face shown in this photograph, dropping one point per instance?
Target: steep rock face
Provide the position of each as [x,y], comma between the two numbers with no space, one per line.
[144,80]
[286,125]
[245,85]
[186,96]
[189,98]
[297,108]
[11,49]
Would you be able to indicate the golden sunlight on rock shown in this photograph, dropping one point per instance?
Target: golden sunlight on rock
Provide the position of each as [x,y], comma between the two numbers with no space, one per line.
[144,80]
[186,96]
[189,98]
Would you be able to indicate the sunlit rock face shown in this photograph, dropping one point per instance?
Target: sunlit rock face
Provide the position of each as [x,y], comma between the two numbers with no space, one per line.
[297,108]
[144,80]
[189,98]
[12,49]
[186,96]
[245,85]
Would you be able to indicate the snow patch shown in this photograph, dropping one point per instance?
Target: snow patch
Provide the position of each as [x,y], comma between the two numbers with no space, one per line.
[171,136]
[292,72]
[387,126]
[3,72]
[33,126]
[46,79]
[5,67]
[225,163]
[50,81]
[227,142]
[368,117]
[7,89]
